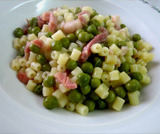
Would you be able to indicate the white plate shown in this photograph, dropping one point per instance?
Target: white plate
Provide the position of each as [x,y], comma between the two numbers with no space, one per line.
[29,105]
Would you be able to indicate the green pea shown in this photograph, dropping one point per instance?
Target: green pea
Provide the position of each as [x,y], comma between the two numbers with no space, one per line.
[50,102]
[120,91]
[92,29]
[97,62]
[132,85]
[21,51]
[83,79]
[93,14]
[123,26]
[46,67]
[91,36]
[74,96]
[87,67]
[101,104]
[38,89]
[90,104]
[85,28]
[85,90]
[56,45]
[95,22]
[136,75]
[75,17]
[49,34]
[71,64]
[94,96]
[79,31]
[72,37]
[124,67]
[65,42]
[136,46]
[136,37]
[41,59]
[95,82]
[33,22]
[121,43]
[77,10]
[18,32]
[83,37]
[29,30]
[111,97]
[36,30]
[49,81]
[34,48]
[79,48]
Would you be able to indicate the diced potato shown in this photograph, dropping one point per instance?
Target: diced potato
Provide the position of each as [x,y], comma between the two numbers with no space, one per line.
[68,17]
[114,75]
[45,28]
[135,68]
[82,109]
[134,98]
[47,91]
[97,72]
[87,8]
[116,83]
[58,35]
[147,56]
[111,59]
[146,79]
[111,38]
[63,58]
[102,91]
[75,54]
[124,77]
[76,71]
[100,18]
[108,67]
[115,49]
[118,104]
[32,37]
[61,97]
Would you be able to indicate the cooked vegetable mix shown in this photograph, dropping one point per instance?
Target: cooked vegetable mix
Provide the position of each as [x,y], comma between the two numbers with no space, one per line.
[80,60]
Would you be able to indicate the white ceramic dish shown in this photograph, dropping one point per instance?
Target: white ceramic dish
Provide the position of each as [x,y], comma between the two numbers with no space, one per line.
[14,91]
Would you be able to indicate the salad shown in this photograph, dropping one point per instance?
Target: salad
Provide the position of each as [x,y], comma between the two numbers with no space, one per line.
[80,60]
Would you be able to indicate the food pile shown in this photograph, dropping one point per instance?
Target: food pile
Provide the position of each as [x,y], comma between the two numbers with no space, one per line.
[81,60]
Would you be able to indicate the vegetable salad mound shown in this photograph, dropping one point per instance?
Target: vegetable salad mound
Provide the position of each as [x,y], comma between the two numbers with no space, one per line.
[79,60]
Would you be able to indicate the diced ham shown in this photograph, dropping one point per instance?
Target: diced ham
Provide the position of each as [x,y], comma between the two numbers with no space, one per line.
[40,21]
[116,19]
[72,26]
[69,84]
[103,30]
[86,52]
[46,16]
[38,42]
[27,50]
[82,18]
[61,77]
[52,23]
[23,77]
[124,50]
[64,80]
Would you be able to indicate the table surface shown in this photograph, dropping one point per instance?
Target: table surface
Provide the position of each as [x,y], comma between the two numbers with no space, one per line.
[8,125]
